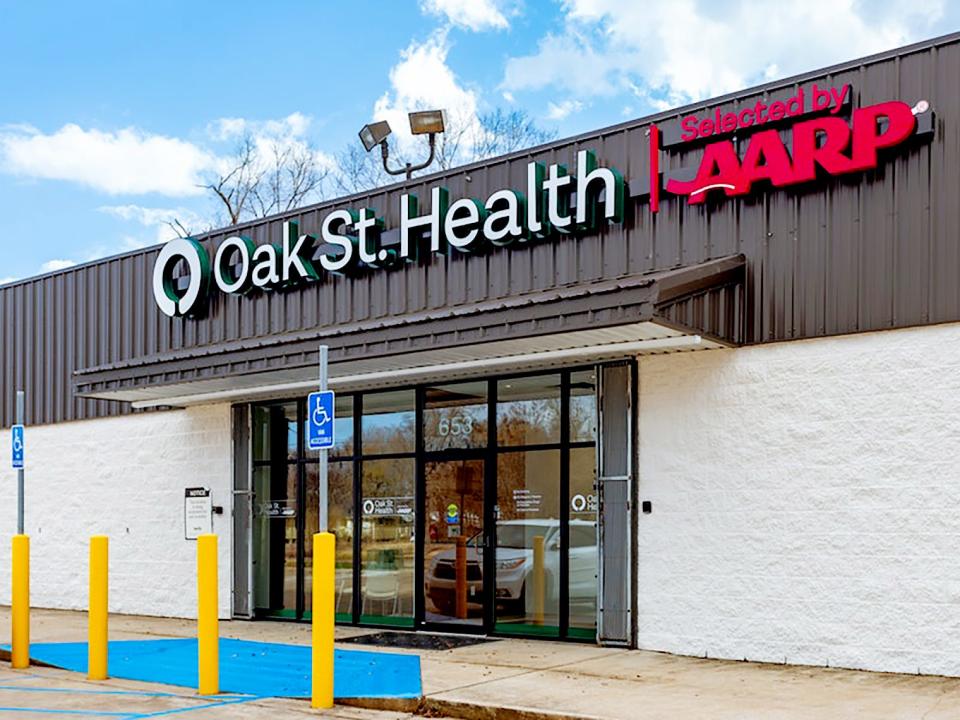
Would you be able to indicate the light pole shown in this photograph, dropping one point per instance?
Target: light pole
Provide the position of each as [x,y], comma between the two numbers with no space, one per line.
[423,122]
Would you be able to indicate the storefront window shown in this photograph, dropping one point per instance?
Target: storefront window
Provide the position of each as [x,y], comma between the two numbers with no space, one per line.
[528,411]
[275,432]
[538,474]
[455,416]
[340,523]
[387,541]
[389,422]
[275,539]
[583,406]
[583,553]
[528,542]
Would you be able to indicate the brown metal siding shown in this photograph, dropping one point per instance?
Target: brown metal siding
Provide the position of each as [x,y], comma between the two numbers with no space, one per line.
[844,255]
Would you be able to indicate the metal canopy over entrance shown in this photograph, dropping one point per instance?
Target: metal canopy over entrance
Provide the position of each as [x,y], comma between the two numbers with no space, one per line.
[693,308]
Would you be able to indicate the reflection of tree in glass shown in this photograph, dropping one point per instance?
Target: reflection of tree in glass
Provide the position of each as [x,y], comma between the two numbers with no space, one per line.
[388,477]
[385,434]
[582,417]
[340,508]
[528,422]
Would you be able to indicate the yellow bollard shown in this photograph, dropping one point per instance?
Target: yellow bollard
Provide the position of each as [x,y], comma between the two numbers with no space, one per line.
[323,596]
[539,580]
[97,614]
[20,605]
[208,626]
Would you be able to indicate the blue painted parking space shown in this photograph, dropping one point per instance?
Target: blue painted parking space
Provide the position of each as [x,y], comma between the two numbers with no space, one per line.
[249,668]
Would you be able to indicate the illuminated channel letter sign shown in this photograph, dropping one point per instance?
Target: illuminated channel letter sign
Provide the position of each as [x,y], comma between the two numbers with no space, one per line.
[351,240]
[820,141]
[169,299]
[777,143]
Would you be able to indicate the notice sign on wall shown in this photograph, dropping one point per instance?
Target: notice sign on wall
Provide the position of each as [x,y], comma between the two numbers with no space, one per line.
[197,512]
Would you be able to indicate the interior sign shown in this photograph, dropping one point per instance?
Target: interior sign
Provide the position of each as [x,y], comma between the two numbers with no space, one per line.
[389,506]
[351,238]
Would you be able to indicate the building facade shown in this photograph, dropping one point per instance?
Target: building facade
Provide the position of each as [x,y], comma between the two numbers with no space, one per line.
[683,384]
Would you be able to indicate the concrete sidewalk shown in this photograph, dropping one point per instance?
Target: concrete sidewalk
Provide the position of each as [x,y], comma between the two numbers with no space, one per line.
[49,692]
[537,679]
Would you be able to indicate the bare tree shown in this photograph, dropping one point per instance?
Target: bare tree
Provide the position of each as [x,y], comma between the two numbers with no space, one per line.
[464,141]
[235,186]
[505,132]
[262,179]
[179,229]
[292,175]
[358,170]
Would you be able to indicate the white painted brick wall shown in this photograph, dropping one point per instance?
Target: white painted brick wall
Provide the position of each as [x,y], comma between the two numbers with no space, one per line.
[806,502]
[123,477]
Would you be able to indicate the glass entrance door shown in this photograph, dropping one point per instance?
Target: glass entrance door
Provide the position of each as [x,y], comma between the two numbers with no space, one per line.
[455,542]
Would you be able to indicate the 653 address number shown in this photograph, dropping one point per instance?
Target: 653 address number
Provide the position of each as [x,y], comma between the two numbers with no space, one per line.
[458,425]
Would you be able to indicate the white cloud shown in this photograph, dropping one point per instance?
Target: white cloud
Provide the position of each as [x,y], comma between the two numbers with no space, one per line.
[127,161]
[134,162]
[6,280]
[687,50]
[267,135]
[559,111]
[54,265]
[566,61]
[476,15]
[294,125]
[227,128]
[423,80]
[158,221]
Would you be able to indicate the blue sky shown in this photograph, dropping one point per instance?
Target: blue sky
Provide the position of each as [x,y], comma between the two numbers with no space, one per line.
[112,113]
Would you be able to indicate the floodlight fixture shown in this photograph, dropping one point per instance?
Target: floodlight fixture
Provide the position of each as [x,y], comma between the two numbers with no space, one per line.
[373,134]
[425,122]
[422,122]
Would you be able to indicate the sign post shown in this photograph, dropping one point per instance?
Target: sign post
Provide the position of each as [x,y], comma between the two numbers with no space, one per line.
[323,494]
[320,431]
[18,458]
[20,599]
[321,410]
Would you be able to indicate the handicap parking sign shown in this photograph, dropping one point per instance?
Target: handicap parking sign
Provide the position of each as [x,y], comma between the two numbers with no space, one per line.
[320,420]
[17,446]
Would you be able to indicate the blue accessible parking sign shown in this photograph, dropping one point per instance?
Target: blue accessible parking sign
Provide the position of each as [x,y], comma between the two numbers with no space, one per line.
[17,446]
[320,420]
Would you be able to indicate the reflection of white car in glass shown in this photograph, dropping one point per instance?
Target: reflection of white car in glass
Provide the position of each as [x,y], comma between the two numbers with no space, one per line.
[514,561]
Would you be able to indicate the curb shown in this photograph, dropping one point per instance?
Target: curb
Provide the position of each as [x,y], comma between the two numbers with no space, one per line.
[434,707]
